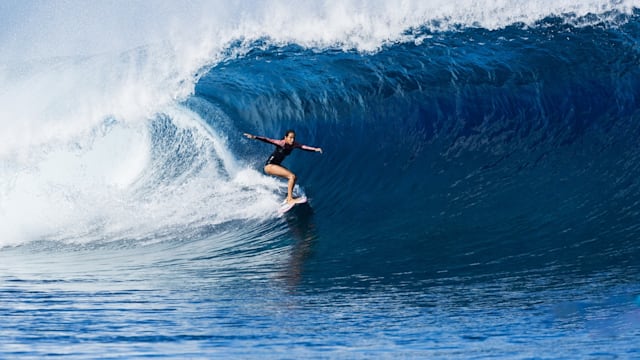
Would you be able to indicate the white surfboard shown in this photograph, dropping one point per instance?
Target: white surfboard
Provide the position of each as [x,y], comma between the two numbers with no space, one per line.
[288,206]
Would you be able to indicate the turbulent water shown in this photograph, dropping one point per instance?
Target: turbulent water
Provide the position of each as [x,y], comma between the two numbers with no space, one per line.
[478,194]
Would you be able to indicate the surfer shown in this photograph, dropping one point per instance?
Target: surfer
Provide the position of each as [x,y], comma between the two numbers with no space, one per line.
[283,148]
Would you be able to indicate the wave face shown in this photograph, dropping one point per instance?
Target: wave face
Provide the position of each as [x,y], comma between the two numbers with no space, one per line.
[489,145]
[503,148]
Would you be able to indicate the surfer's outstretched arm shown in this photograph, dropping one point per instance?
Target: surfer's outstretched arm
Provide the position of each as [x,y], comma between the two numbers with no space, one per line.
[265,139]
[282,143]
[308,148]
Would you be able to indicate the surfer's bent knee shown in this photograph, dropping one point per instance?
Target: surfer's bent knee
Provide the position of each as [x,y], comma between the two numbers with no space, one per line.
[268,169]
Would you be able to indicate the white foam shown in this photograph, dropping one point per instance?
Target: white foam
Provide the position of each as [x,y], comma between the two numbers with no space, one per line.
[118,184]
[71,28]
[65,186]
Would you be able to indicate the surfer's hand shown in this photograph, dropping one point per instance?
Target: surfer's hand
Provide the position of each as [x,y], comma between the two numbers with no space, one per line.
[319,150]
[249,136]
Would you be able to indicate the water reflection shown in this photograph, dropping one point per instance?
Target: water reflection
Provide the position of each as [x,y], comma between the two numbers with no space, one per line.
[302,228]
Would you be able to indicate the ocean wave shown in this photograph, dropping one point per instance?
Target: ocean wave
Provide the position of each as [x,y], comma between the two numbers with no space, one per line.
[457,106]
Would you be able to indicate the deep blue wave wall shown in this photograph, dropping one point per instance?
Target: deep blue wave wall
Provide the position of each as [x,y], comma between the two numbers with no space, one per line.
[464,151]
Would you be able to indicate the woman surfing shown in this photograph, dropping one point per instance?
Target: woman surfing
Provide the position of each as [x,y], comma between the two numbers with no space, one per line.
[283,148]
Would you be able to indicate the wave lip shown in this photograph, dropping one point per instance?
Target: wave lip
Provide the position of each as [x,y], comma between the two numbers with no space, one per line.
[195,29]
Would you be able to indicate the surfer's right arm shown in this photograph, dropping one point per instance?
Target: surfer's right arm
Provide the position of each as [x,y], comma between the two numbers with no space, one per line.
[263,139]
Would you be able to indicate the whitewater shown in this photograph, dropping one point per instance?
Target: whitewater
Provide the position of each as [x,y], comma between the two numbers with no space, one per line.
[477,195]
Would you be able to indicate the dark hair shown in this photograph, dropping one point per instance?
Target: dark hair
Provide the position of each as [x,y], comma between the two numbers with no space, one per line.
[286,133]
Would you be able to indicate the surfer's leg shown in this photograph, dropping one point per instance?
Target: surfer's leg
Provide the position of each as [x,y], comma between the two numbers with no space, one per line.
[283,172]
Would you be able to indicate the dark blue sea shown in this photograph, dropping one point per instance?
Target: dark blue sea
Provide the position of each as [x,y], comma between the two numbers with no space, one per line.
[478,194]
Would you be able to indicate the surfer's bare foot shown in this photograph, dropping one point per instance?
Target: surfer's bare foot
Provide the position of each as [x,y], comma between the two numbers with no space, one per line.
[291,200]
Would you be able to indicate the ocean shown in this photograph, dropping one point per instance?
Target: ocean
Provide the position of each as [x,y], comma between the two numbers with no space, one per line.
[478,194]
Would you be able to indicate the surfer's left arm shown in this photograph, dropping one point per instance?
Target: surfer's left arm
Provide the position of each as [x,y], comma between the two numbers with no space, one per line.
[308,148]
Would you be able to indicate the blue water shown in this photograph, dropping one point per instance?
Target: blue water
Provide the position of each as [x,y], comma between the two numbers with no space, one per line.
[477,197]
